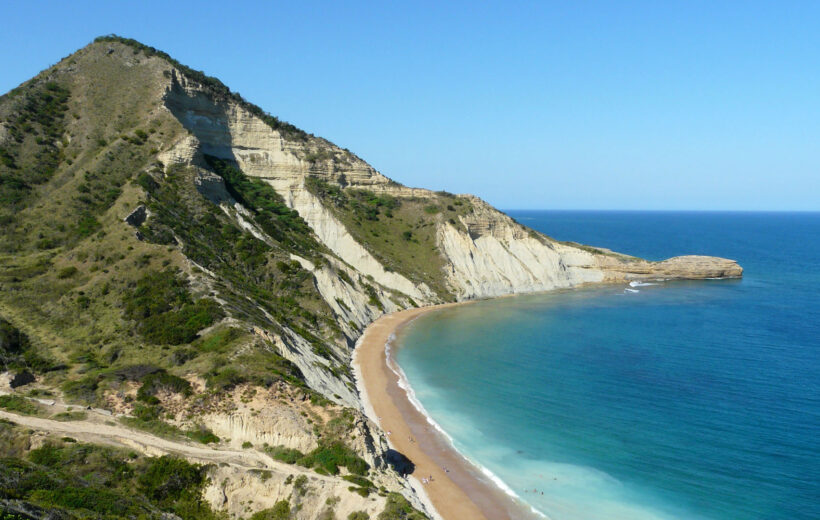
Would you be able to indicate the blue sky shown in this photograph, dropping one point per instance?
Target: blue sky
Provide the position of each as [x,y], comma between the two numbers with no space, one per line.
[558,105]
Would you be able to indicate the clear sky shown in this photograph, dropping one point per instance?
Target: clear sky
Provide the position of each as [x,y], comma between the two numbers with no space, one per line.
[555,105]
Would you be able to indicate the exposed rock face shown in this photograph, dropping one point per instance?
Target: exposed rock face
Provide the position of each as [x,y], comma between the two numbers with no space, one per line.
[137,217]
[690,267]
[486,253]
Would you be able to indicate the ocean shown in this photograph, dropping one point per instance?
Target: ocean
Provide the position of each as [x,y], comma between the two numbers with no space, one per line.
[685,400]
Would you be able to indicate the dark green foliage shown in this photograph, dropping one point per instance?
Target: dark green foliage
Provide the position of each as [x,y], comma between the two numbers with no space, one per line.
[373,296]
[270,211]
[327,457]
[97,482]
[330,456]
[358,515]
[280,511]
[214,241]
[164,311]
[39,117]
[398,508]
[218,341]
[147,418]
[162,380]
[168,478]
[300,485]
[203,435]
[83,390]
[283,454]
[368,205]
[359,481]
[225,378]
[16,351]
[365,204]
[326,191]
[17,404]
[147,182]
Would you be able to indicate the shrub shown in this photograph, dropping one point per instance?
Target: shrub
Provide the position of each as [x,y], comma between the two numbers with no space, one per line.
[84,390]
[66,272]
[329,457]
[300,485]
[283,454]
[280,511]
[70,416]
[225,379]
[164,311]
[162,380]
[167,478]
[398,508]
[15,403]
[202,434]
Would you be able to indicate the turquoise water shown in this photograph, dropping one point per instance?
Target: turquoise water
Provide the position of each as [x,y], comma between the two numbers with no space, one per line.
[691,400]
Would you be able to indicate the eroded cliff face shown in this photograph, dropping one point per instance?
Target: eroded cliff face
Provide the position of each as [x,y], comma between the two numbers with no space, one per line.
[485,253]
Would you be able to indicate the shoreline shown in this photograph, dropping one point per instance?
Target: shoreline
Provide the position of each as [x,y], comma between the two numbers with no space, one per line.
[463,491]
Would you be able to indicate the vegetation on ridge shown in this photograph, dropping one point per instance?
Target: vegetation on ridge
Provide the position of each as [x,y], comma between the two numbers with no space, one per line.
[400,232]
[87,481]
[168,316]
[216,86]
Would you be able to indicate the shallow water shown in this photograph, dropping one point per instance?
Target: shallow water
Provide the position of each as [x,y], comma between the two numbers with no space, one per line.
[680,400]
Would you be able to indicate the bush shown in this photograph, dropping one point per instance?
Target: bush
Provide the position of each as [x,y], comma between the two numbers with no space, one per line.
[70,416]
[162,380]
[88,481]
[66,272]
[21,405]
[225,379]
[164,311]
[283,454]
[84,390]
[358,515]
[398,508]
[300,485]
[330,456]
[280,511]
[203,435]
[167,478]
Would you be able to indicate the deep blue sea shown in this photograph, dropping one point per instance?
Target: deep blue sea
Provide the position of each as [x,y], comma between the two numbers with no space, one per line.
[688,400]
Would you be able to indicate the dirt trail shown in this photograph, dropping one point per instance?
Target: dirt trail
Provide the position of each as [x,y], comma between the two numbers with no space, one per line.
[96,432]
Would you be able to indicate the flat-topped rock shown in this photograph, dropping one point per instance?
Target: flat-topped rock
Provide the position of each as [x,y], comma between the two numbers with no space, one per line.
[688,267]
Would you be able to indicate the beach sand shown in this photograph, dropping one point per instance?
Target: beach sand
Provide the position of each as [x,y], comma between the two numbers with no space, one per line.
[461,493]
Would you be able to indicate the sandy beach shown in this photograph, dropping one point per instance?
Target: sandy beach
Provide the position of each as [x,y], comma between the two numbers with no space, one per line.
[460,493]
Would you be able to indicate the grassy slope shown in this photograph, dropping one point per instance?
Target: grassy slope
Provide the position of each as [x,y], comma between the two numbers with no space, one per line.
[69,265]
[97,308]
[399,231]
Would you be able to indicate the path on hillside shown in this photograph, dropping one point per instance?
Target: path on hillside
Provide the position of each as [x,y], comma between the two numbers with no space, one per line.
[118,435]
